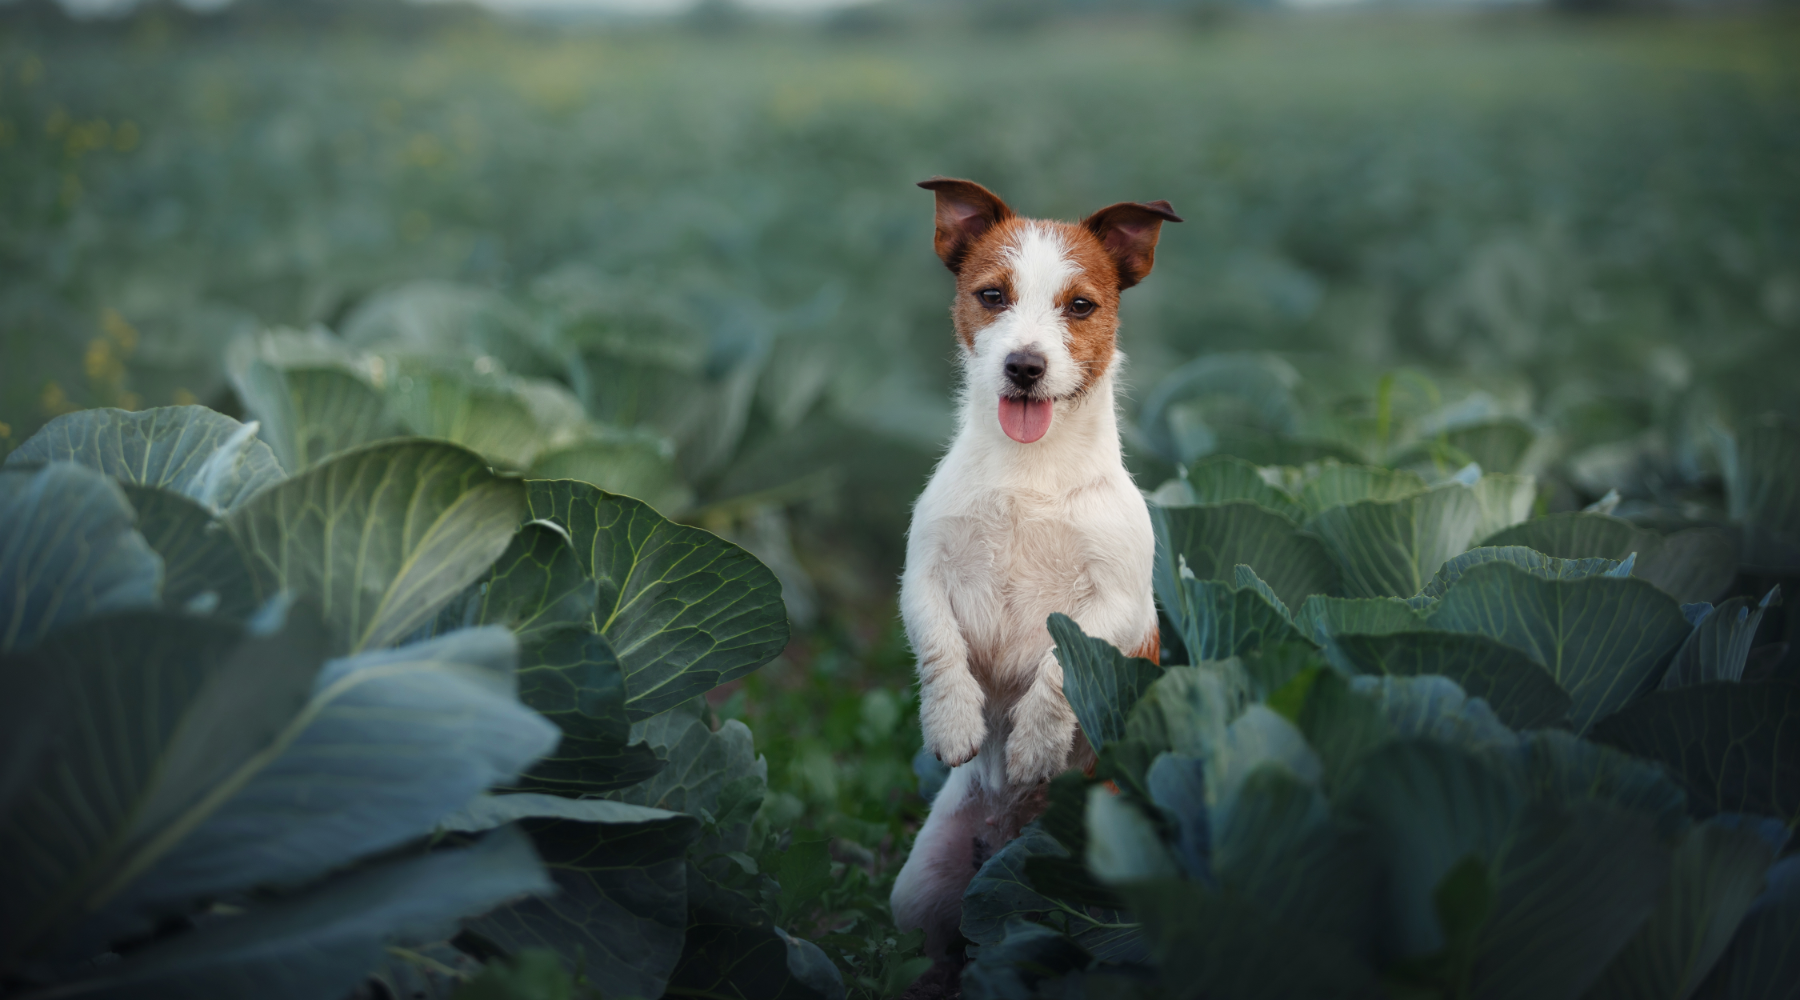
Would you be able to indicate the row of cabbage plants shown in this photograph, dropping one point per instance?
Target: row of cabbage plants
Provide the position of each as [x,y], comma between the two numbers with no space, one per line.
[1420,743]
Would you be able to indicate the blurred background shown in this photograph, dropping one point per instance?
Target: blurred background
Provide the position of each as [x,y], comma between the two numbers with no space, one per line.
[675,249]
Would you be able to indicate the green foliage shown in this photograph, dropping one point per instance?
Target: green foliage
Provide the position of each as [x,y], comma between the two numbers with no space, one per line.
[1401,329]
[164,759]
[1212,539]
[1380,807]
[381,537]
[204,456]
[69,551]
[1602,639]
[685,610]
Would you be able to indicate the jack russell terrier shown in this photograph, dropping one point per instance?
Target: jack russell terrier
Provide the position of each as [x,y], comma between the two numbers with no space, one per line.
[1030,512]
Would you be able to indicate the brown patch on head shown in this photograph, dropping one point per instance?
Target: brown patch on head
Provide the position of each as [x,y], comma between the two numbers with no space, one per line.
[977,238]
[1093,339]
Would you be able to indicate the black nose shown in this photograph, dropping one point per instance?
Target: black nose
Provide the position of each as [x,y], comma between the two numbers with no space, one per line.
[1024,368]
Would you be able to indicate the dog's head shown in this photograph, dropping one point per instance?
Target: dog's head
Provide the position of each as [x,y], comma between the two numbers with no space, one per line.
[1037,301]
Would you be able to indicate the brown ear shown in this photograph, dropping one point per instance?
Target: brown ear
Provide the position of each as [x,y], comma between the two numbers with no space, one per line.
[1129,231]
[965,210]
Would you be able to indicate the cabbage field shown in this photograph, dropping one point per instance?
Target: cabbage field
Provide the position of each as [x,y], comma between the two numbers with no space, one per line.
[456,472]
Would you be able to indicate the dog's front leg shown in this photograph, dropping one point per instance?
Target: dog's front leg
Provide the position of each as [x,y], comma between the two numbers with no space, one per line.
[1043,724]
[950,699]
[1043,728]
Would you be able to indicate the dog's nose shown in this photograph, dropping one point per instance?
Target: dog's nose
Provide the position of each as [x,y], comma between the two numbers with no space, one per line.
[1024,368]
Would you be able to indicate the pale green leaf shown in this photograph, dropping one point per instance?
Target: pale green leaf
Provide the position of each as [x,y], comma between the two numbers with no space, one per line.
[207,457]
[1336,484]
[381,537]
[1391,548]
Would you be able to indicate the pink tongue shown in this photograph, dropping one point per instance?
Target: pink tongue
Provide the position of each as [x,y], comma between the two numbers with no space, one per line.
[1024,420]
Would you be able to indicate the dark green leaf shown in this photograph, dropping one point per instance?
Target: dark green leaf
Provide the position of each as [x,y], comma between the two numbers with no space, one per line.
[1763,961]
[1604,639]
[1245,578]
[1694,564]
[533,974]
[1322,617]
[571,676]
[1101,683]
[1277,847]
[1025,955]
[121,730]
[1219,621]
[1762,488]
[1531,561]
[1574,886]
[1276,664]
[390,742]
[206,457]
[1177,785]
[68,551]
[199,556]
[734,949]
[1520,691]
[1188,709]
[803,872]
[1217,944]
[1390,548]
[382,537]
[322,941]
[1464,901]
[685,610]
[1214,539]
[1717,874]
[536,586]
[1428,805]
[1720,643]
[1563,770]
[1735,747]
[620,908]
[703,765]
[1341,725]
[1001,891]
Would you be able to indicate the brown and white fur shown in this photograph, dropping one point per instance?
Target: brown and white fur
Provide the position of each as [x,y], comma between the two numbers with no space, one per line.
[1008,532]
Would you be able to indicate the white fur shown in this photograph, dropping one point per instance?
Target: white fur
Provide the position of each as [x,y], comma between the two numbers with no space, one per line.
[1004,535]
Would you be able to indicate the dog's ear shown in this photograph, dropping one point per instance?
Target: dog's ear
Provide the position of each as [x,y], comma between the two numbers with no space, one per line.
[1129,231]
[965,210]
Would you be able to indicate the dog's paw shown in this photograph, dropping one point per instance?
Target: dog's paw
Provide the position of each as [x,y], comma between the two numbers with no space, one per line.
[951,721]
[1038,747]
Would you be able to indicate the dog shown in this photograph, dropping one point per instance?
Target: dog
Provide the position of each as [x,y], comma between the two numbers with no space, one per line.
[1030,512]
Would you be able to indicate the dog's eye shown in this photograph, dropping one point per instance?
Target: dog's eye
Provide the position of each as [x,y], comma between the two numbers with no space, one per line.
[991,297]
[1080,307]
